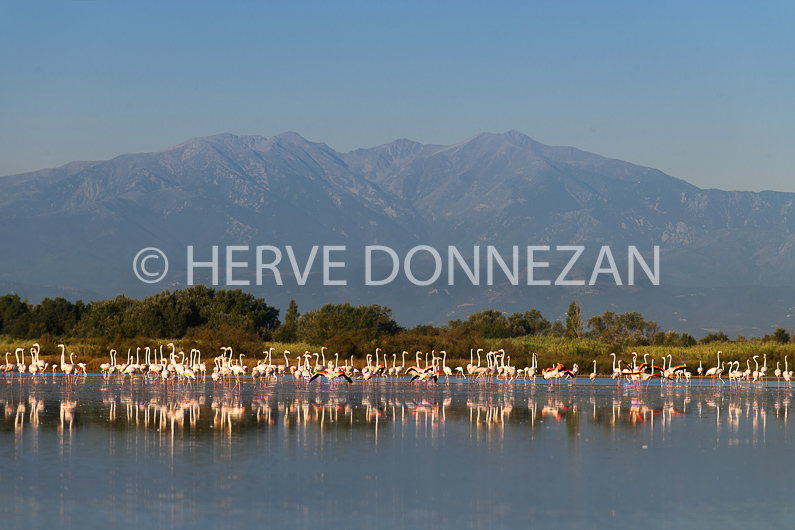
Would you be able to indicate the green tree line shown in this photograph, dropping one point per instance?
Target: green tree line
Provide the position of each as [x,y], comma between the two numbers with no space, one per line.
[219,316]
[168,314]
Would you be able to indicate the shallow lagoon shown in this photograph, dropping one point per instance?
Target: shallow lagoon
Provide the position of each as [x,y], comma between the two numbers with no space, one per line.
[395,455]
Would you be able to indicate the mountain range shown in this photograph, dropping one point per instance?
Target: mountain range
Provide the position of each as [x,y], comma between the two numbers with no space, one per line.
[726,258]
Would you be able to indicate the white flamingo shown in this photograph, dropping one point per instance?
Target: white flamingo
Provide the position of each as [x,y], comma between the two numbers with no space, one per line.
[446,369]
[21,366]
[471,366]
[530,371]
[68,368]
[713,372]
[104,368]
[777,373]
[616,370]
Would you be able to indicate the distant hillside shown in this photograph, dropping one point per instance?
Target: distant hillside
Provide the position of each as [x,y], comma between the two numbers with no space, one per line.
[727,259]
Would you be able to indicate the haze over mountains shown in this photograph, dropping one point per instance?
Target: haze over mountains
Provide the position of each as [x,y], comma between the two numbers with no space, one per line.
[727,258]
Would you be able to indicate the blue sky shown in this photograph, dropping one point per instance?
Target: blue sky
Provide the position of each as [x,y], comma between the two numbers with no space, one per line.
[704,91]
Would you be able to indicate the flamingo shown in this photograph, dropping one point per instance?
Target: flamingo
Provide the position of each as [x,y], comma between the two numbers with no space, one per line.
[352,370]
[154,367]
[675,371]
[713,372]
[34,350]
[510,371]
[734,373]
[763,370]
[572,374]
[550,374]
[21,366]
[113,367]
[380,369]
[787,374]
[33,368]
[720,371]
[648,376]
[9,367]
[616,370]
[189,375]
[471,366]
[756,373]
[130,368]
[122,367]
[402,366]
[777,373]
[428,375]
[481,371]
[332,374]
[68,368]
[157,368]
[393,368]
[415,369]
[446,369]
[239,369]
[593,374]
[281,369]
[105,367]
[531,372]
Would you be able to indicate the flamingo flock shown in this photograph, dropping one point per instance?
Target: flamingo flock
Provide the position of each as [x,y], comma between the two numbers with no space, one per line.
[176,369]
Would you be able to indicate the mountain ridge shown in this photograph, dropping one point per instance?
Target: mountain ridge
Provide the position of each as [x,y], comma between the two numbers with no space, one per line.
[490,189]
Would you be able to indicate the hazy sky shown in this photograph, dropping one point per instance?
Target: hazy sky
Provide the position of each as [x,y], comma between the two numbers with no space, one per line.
[704,91]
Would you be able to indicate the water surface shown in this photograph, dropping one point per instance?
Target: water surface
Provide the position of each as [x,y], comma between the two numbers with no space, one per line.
[458,455]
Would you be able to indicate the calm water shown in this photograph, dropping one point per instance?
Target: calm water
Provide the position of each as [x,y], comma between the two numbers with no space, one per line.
[450,456]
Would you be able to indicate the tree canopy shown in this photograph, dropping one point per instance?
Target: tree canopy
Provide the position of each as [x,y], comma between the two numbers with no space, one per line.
[162,315]
[318,326]
[612,328]
[220,316]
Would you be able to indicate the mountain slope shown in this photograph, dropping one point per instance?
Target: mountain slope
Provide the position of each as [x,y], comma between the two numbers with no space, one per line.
[77,228]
